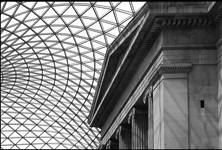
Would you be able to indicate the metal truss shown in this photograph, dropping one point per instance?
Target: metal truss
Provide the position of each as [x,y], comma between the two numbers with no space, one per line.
[51,58]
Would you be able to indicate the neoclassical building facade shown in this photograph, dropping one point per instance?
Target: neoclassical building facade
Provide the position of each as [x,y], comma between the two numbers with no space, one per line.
[161,81]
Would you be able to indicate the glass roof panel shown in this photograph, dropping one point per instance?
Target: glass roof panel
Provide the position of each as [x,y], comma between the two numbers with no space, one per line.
[51,58]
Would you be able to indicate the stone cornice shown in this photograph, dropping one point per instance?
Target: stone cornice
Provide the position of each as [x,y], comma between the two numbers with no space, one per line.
[170,69]
[165,8]
[184,21]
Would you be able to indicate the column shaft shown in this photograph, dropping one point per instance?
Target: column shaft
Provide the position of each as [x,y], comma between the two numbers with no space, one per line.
[139,129]
[150,121]
[112,144]
[219,56]
[125,137]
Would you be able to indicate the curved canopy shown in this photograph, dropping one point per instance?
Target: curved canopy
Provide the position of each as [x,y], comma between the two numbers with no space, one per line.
[51,57]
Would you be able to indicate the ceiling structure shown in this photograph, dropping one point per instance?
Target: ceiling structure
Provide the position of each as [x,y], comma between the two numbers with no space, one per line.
[51,58]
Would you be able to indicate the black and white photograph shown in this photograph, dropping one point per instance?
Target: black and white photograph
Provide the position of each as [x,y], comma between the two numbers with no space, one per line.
[111,75]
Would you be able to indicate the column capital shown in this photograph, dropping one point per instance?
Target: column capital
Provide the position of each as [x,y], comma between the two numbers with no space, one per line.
[148,94]
[118,132]
[131,115]
[134,111]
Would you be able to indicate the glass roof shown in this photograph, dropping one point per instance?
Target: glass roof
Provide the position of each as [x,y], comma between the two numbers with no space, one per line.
[51,58]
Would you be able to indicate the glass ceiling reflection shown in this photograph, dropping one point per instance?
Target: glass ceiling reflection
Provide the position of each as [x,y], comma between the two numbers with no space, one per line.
[51,58]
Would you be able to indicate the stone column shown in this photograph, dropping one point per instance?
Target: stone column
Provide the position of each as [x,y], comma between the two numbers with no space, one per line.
[139,127]
[170,107]
[112,144]
[174,95]
[219,56]
[123,134]
[148,99]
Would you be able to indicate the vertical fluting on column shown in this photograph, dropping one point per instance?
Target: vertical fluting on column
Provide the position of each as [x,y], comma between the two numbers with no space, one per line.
[112,144]
[148,100]
[219,56]
[123,134]
[139,127]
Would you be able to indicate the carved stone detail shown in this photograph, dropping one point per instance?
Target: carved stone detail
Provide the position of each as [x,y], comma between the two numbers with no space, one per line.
[148,94]
[131,115]
[170,68]
[118,132]
[108,144]
[139,123]
[184,21]
[112,144]
[123,134]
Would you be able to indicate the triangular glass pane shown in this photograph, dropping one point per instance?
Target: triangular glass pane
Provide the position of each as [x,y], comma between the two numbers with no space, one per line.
[11,10]
[102,11]
[80,9]
[115,3]
[137,5]
[21,9]
[87,45]
[77,22]
[96,45]
[114,32]
[126,22]
[39,11]
[100,39]
[41,5]
[92,34]
[49,20]
[88,22]
[29,4]
[59,8]
[40,23]
[110,17]
[83,34]
[79,40]
[31,16]
[31,22]
[21,17]
[90,13]
[75,30]
[14,22]
[56,28]
[47,30]
[122,16]
[58,22]
[124,6]
[50,13]
[106,26]
[107,4]
[65,31]
[11,28]
[70,12]
[96,26]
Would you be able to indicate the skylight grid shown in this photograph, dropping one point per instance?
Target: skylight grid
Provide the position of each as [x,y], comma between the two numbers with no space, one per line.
[51,59]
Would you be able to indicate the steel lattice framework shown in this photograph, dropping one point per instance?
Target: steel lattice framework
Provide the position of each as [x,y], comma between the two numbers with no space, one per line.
[51,58]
